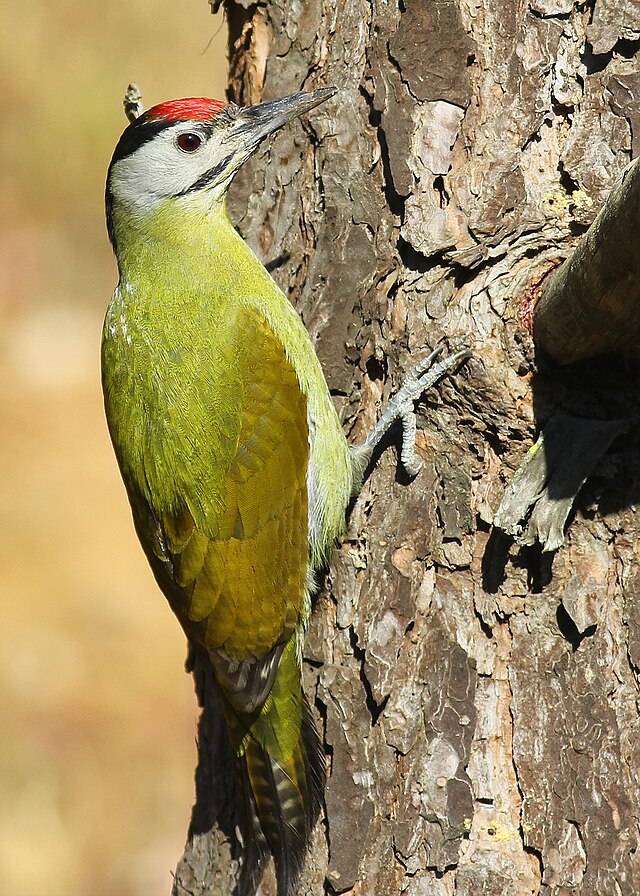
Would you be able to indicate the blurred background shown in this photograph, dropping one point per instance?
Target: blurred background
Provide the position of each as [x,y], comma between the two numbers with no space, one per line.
[97,716]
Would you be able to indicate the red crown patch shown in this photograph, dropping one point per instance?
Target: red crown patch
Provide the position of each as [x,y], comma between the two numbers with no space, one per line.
[194,108]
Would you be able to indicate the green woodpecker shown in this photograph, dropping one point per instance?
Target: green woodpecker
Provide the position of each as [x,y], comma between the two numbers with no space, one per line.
[233,457]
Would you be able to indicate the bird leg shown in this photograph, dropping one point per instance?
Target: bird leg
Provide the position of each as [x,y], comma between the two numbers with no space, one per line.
[426,374]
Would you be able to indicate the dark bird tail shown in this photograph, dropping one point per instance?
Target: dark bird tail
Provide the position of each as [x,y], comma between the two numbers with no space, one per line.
[282,773]
[285,797]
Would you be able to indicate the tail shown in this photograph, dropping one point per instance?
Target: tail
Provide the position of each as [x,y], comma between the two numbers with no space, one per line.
[282,773]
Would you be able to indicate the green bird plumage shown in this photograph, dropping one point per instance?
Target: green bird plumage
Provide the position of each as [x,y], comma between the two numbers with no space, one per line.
[235,464]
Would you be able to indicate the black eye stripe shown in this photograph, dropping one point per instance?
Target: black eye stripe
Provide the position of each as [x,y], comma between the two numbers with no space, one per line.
[207,176]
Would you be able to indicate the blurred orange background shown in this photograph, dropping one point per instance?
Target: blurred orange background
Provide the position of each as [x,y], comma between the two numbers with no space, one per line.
[97,716]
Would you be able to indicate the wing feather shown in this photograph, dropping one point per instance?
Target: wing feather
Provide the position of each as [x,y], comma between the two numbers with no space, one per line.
[243,573]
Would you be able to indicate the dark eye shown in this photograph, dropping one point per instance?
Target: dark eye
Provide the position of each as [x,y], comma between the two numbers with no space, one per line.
[188,142]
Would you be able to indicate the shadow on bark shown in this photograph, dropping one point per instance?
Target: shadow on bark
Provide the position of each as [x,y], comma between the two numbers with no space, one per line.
[213,850]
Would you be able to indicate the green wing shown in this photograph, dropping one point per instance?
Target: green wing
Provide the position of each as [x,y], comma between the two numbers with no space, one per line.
[238,579]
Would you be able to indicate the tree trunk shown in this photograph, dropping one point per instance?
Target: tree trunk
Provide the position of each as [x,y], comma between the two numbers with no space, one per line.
[477,698]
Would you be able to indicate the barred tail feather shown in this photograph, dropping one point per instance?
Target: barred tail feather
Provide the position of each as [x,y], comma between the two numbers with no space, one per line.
[285,795]
[255,850]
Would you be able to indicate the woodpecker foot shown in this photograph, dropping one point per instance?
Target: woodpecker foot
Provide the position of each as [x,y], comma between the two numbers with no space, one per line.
[426,374]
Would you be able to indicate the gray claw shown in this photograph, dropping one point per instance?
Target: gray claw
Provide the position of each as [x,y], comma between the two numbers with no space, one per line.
[425,374]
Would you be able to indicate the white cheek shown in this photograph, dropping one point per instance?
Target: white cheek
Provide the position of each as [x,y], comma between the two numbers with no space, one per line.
[155,171]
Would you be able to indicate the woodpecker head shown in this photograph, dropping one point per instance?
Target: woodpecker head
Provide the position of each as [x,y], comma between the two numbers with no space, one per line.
[191,148]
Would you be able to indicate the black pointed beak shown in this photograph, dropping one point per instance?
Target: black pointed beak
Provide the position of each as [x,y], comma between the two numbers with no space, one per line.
[253,123]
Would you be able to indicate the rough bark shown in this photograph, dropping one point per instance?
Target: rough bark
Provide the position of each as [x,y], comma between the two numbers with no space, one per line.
[477,698]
